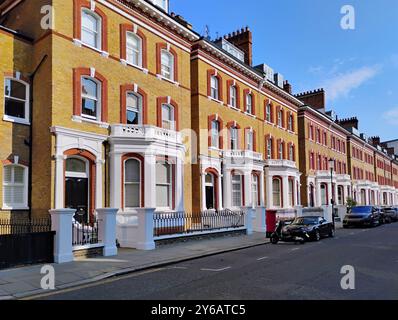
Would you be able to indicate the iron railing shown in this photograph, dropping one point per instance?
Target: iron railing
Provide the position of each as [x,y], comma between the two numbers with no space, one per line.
[24,226]
[84,233]
[183,223]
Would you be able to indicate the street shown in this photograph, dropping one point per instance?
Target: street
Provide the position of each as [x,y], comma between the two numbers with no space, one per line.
[284,271]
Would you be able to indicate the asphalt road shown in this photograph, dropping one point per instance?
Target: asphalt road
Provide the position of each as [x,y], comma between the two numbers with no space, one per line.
[284,271]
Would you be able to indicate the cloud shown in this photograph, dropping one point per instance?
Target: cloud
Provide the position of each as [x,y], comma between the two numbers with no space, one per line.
[342,84]
[391,116]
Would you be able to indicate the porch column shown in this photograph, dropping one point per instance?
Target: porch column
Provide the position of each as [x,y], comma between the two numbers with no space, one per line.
[248,188]
[297,193]
[318,195]
[203,187]
[99,183]
[115,180]
[227,189]
[179,185]
[285,191]
[269,198]
[59,181]
[107,230]
[150,180]
[61,223]
[262,195]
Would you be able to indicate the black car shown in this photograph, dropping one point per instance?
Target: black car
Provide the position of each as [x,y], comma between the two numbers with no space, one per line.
[363,216]
[316,227]
[390,214]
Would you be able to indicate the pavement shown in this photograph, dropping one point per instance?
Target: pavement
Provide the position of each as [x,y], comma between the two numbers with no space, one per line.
[26,281]
[286,271]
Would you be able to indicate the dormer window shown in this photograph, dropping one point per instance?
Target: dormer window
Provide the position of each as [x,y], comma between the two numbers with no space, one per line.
[163,4]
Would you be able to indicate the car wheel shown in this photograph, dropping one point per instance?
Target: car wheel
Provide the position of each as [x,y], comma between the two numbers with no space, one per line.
[317,236]
[332,233]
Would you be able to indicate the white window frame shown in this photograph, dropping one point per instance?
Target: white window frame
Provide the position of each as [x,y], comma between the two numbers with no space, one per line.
[24,204]
[249,103]
[171,121]
[234,138]
[214,87]
[132,183]
[290,123]
[277,193]
[139,102]
[168,184]
[238,192]
[255,189]
[268,113]
[269,148]
[291,153]
[215,134]
[250,140]
[324,194]
[280,151]
[291,192]
[233,96]
[136,51]
[98,33]
[97,99]
[163,66]
[6,117]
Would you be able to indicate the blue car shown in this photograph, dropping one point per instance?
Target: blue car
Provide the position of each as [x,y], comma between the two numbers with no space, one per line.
[363,216]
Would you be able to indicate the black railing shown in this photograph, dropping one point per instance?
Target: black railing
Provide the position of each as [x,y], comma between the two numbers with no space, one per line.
[23,226]
[183,223]
[84,233]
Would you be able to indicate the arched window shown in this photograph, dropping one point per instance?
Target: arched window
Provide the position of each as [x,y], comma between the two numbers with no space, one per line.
[132,183]
[210,187]
[324,194]
[91,98]
[91,32]
[16,103]
[134,49]
[164,185]
[234,132]
[233,96]
[277,192]
[168,121]
[214,87]
[15,187]
[215,134]
[237,190]
[134,114]
[268,113]
[249,104]
[167,65]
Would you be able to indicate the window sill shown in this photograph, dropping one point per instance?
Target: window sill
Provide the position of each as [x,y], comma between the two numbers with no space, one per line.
[214,149]
[126,63]
[5,208]
[160,77]
[234,108]
[80,119]
[80,44]
[269,123]
[16,120]
[250,114]
[216,100]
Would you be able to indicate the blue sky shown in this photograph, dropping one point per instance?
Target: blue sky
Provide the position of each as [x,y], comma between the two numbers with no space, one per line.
[303,40]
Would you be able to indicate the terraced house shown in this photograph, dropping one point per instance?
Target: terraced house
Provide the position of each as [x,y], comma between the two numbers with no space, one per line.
[121,104]
[247,128]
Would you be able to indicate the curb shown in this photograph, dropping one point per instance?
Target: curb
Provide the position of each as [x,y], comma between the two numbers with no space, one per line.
[126,271]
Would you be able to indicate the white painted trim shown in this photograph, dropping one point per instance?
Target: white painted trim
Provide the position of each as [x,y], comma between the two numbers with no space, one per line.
[16,120]
[198,233]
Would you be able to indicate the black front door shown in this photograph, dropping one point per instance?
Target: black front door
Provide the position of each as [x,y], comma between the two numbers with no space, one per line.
[76,197]
[210,198]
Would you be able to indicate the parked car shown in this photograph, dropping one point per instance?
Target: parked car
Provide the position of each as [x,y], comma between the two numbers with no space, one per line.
[391,213]
[363,216]
[316,227]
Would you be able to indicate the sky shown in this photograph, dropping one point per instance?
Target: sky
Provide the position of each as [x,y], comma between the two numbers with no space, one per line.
[304,41]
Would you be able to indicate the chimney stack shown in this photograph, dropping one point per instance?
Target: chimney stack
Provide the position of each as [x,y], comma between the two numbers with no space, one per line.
[349,123]
[316,99]
[375,141]
[287,87]
[243,39]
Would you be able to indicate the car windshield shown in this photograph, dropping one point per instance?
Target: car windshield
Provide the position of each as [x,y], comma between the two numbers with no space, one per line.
[361,210]
[306,221]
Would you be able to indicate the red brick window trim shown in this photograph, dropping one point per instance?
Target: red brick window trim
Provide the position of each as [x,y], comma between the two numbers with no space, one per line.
[124,29]
[214,73]
[268,104]
[220,131]
[140,159]
[159,48]
[124,90]
[169,102]
[78,74]
[232,84]
[246,94]
[79,5]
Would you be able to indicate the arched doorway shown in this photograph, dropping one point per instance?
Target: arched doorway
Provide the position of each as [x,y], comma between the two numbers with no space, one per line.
[77,187]
[324,194]
[210,189]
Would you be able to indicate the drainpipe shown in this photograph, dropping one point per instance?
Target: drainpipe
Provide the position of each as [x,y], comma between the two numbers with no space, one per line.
[31,79]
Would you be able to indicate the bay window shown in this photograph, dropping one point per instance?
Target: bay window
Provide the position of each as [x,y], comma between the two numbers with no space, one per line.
[291,192]
[277,192]
[132,183]
[236,190]
[164,185]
